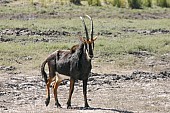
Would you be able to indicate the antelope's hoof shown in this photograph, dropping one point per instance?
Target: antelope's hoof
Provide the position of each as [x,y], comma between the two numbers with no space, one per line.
[69,107]
[47,101]
[58,105]
[87,106]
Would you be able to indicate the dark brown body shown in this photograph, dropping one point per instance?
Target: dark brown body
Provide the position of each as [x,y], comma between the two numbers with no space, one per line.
[74,63]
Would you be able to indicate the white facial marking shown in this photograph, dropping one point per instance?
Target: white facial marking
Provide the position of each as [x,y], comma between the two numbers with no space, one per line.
[87,55]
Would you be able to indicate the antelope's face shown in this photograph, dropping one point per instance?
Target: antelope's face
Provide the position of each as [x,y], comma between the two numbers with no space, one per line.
[88,42]
[89,47]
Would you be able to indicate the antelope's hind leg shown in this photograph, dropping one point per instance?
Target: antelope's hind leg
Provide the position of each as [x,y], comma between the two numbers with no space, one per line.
[55,87]
[51,66]
[48,91]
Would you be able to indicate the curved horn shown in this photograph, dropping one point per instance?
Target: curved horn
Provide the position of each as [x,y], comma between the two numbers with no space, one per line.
[87,36]
[91,26]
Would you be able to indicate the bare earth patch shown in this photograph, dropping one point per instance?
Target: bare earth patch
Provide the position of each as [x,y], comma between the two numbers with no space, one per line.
[136,92]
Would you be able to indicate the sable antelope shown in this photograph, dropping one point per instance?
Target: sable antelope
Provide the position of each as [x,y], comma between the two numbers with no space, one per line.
[74,63]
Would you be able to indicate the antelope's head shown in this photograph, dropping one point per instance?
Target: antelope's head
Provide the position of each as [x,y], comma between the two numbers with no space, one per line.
[88,42]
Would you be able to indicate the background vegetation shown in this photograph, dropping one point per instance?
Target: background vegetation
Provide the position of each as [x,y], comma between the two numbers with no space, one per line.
[127,38]
[135,4]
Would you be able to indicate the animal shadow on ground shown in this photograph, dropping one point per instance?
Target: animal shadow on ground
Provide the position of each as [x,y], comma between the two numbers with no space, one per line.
[103,109]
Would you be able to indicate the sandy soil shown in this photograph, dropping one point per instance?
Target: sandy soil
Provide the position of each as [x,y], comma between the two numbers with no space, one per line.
[141,92]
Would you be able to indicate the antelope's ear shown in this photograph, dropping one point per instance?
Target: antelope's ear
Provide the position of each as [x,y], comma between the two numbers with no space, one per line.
[94,38]
[73,49]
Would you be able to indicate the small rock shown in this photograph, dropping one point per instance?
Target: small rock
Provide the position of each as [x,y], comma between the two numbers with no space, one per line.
[10,68]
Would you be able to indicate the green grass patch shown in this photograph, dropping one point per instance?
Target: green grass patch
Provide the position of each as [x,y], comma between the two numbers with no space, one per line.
[123,46]
[118,37]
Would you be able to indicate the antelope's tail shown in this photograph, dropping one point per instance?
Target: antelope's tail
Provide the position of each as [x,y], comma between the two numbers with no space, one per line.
[48,59]
[43,73]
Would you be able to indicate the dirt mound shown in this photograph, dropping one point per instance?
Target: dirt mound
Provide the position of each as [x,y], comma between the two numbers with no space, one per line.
[136,76]
[26,31]
[50,35]
[5,1]
[148,32]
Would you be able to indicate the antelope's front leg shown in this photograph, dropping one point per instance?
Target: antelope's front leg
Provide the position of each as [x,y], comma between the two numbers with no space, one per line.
[72,81]
[48,92]
[85,93]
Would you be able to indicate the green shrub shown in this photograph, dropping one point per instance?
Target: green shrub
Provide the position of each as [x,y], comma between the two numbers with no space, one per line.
[77,2]
[148,3]
[113,2]
[94,2]
[135,4]
[118,3]
[163,3]
[32,2]
[122,3]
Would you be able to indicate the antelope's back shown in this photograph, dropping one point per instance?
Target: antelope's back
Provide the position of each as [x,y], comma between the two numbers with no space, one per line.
[63,62]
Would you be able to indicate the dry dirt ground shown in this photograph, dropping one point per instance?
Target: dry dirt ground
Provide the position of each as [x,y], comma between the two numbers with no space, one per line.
[135,92]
